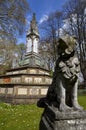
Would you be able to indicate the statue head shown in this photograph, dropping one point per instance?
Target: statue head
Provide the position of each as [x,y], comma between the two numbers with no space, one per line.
[66,45]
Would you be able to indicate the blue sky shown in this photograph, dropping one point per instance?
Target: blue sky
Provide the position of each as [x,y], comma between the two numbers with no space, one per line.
[42,8]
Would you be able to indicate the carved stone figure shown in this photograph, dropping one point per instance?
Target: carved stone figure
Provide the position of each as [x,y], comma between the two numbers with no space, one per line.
[62,93]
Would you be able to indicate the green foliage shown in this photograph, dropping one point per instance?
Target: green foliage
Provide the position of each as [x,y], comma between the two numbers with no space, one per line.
[24,117]
[82,101]
[51,72]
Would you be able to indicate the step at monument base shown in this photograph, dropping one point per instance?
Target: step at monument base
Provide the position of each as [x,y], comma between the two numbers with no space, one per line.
[56,120]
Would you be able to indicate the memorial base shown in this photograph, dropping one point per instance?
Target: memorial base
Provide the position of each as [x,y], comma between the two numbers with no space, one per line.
[52,119]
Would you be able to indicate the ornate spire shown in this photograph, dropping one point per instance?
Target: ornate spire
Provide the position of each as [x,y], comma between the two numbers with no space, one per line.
[33,27]
[32,57]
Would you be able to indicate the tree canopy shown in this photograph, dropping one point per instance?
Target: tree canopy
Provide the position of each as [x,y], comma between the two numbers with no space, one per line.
[75,15]
[51,27]
[12,17]
[12,24]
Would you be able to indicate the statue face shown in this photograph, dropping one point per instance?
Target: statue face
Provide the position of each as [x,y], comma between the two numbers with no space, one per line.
[66,45]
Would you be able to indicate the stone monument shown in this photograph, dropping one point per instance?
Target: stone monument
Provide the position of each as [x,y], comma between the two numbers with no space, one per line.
[61,108]
[30,81]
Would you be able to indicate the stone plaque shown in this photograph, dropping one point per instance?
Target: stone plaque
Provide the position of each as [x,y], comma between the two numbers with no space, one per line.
[22,71]
[8,73]
[15,80]
[2,90]
[44,91]
[41,72]
[37,80]
[28,80]
[15,72]
[48,81]
[32,71]
[22,91]
[10,91]
[34,91]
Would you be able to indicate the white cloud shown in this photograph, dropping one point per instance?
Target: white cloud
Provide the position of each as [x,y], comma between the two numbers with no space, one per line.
[28,19]
[44,18]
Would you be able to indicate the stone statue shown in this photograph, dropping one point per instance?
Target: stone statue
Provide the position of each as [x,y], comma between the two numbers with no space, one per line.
[62,93]
[61,108]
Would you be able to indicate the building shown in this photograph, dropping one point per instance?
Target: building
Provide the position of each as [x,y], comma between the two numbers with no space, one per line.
[30,81]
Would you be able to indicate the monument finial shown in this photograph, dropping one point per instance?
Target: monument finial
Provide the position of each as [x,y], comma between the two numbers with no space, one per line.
[33,26]
[34,17]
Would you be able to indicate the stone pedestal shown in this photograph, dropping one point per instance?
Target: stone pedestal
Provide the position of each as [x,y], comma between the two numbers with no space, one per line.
[52,119]
[24,85]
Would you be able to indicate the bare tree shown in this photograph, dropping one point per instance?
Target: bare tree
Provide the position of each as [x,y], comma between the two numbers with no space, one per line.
[10,55]
[12,17]
[12,23]
[46,52]
[21,48]
[50,28]
[75,14]
[7,54]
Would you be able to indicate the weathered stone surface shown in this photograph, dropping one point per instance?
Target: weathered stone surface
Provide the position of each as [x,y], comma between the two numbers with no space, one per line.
[62,110]
[44,91]
[62,93]
[29,80]
[52,119]
[22,91]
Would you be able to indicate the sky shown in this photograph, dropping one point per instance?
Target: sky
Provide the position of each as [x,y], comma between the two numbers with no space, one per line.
[42,8]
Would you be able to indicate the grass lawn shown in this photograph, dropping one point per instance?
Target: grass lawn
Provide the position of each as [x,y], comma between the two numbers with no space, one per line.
[23,117]
[20,117]
[82,101]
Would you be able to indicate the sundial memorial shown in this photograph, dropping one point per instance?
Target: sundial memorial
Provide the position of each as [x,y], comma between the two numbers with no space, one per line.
[30,80]
[61,108]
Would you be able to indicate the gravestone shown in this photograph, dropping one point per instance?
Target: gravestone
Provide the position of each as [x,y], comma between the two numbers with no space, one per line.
[61,108]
